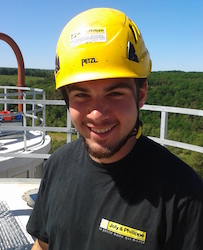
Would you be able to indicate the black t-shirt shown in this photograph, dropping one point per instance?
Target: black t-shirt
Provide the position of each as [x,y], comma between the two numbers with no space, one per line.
[148,200]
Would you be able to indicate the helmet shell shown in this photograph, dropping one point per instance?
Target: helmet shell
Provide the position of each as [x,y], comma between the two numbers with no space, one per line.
[100,43]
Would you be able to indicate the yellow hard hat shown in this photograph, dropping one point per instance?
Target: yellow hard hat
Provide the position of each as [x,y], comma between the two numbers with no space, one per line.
[100,43]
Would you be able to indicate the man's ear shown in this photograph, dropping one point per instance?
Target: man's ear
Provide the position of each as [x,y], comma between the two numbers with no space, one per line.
[143,93]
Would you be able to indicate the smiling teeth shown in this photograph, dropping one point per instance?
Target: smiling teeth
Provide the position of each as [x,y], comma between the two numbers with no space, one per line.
[100,131]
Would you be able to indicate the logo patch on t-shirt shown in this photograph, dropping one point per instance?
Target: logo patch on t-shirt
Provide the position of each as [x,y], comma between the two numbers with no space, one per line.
[122,231]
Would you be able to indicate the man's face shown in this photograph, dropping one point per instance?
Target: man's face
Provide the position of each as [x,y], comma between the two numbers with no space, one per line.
[104,112]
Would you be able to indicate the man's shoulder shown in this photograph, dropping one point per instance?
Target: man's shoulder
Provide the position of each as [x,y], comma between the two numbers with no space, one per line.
[69,151]
[168,166]
[159,154]
[70,147]
[64,159]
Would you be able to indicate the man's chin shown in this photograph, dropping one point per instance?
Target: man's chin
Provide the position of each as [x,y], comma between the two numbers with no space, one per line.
[98,151]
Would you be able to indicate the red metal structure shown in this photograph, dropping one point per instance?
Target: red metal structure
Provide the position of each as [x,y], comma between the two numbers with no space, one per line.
[21,69]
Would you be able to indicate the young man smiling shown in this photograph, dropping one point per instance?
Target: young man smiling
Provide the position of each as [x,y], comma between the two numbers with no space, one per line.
[113,188]
[102,111]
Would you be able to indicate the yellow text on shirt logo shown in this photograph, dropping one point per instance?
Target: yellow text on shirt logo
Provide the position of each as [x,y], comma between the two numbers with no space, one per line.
[123,230]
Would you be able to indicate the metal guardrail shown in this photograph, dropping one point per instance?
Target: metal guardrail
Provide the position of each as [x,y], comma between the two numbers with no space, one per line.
[27,93]
[38,106]
[165,110]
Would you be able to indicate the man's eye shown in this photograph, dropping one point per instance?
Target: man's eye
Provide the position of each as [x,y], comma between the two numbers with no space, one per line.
[116,94]
[81,95]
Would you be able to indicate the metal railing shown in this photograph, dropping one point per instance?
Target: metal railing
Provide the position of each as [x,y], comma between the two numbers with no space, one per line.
[27,96]
[165,110]
[35,99]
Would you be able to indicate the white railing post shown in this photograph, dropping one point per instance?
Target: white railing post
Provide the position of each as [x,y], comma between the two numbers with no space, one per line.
[44,113]
[69,135]
[5,97]
[24,122]
[163,126]
[33,110]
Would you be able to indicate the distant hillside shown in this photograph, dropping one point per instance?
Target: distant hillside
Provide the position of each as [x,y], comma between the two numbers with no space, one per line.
[168,88]
[176,88]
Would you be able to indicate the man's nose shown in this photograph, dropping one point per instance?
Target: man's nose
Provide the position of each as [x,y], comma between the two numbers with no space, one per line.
[98,109]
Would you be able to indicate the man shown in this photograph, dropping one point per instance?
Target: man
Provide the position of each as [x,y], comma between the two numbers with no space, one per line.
[113,188]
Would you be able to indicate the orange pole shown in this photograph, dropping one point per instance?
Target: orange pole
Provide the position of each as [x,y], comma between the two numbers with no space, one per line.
[21,69]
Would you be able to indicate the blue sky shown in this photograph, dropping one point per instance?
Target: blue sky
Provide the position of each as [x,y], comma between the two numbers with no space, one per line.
[172,29]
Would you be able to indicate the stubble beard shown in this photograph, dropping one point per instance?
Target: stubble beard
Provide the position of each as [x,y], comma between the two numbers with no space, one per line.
[107,152]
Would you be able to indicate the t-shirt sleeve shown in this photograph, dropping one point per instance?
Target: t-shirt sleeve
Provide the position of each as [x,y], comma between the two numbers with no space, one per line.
[188,228]
[36,226]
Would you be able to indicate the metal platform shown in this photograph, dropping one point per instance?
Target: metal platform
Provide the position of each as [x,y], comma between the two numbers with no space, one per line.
[14,213]
[11,233]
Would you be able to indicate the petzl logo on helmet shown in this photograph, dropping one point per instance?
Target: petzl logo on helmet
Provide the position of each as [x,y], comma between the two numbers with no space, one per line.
[89,60]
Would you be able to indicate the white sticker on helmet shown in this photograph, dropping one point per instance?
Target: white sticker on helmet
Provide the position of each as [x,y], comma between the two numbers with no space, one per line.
[94,35]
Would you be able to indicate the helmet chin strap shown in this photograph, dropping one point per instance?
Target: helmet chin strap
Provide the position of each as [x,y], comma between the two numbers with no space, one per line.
[138,126]
[137,130]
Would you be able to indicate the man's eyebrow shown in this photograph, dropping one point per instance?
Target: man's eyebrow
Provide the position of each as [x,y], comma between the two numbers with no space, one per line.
[76,88]
[119,85]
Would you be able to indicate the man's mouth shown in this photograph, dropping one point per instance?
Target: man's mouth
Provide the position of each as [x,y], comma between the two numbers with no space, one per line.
[100,131]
